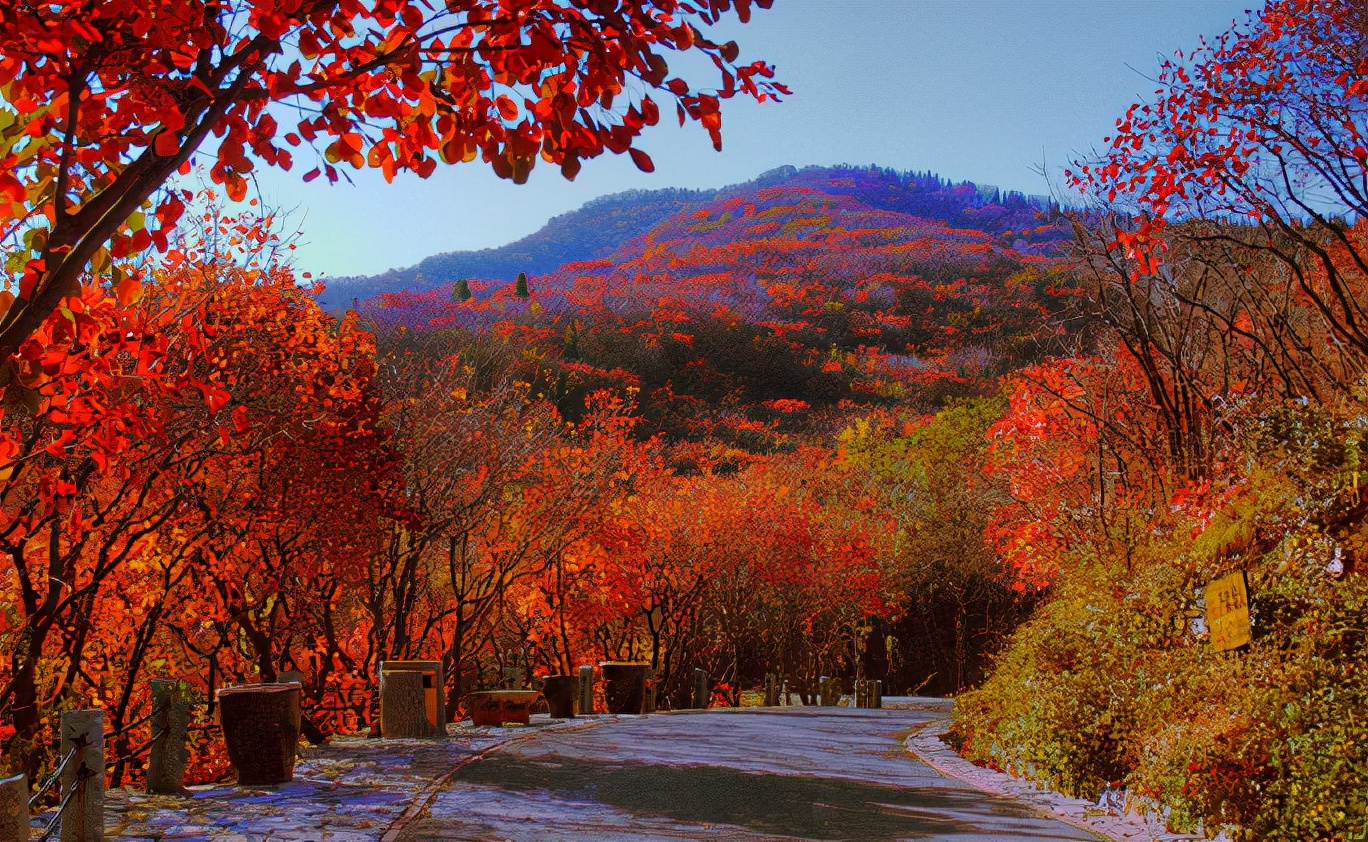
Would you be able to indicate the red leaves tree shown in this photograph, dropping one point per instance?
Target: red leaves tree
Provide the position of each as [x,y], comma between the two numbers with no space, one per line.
[106,101]
[1235,261]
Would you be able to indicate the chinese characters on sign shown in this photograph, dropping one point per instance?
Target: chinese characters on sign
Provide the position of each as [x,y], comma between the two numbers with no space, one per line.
[1227,606]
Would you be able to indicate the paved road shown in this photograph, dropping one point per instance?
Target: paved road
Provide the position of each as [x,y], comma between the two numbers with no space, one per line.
[805,774]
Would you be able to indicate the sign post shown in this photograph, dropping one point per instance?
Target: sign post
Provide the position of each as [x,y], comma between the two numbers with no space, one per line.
[1227,607]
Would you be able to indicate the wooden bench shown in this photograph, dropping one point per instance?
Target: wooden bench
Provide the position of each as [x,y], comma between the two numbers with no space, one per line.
[495,707]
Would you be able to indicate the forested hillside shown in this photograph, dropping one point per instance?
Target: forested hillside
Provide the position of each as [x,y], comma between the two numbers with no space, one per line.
[601,226]
[829,288]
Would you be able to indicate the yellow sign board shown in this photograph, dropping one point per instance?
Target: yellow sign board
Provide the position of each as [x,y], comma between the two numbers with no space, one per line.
[1227,608]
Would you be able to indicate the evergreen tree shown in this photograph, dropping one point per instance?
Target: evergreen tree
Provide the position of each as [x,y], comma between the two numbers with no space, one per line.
[520,286]
[570,349]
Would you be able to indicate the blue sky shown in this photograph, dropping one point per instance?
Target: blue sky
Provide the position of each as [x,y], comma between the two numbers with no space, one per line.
[980,90]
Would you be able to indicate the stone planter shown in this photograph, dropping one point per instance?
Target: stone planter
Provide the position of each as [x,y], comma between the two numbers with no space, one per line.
[624,686]
[261,729]
[495,707]
[559,691]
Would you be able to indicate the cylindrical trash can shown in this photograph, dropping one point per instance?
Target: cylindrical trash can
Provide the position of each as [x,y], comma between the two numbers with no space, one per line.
[261,729]
[624,686]
[559,691]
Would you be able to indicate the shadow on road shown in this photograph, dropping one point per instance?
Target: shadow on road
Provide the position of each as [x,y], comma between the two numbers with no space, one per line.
[804,807]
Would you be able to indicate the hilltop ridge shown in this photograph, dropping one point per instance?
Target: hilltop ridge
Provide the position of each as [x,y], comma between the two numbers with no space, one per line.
[601,226]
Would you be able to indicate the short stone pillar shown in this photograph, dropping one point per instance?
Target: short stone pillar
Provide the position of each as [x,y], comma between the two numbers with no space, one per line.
[14,811]
[559,692]
[868,693]
[586,690]
[169,757]
[829,692]
[411,703]
[701,696]
[624,686]
[771,690]
[648,701]
[83,778]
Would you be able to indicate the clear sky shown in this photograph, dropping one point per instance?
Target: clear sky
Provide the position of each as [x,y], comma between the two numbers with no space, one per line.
[980,90]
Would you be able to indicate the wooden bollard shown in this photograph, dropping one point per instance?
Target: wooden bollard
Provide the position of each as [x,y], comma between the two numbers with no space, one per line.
[586,690]
[14,811]
[169,757]
[878,695]
[83,818]
[700,690]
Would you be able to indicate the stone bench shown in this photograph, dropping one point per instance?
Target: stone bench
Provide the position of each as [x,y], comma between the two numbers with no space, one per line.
[495,707]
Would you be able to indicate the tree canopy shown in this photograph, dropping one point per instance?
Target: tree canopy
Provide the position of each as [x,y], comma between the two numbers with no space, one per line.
[103,101]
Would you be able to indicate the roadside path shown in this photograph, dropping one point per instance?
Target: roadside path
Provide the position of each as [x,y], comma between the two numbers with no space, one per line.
[350,790]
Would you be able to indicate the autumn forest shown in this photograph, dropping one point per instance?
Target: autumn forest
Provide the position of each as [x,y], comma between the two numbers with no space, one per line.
[836,421]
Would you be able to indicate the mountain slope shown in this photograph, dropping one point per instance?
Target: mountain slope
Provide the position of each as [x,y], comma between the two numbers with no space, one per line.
[750,314]
[591,232]
[603,225]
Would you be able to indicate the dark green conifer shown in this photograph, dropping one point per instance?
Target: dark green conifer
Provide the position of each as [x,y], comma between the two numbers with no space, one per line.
[460,292]
[571,346]
[520,286]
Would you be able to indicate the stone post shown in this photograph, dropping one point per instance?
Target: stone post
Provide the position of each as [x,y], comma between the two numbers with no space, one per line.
[14,811]
[878,695]
[700,689]
[648,703]
[771,691]
[83,818]
[586,690]
[169,757]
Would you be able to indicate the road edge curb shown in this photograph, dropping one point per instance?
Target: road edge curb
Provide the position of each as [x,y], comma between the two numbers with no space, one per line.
[925,744]
[424,797]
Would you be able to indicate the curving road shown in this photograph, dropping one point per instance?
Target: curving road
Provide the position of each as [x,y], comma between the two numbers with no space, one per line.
[799,774]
